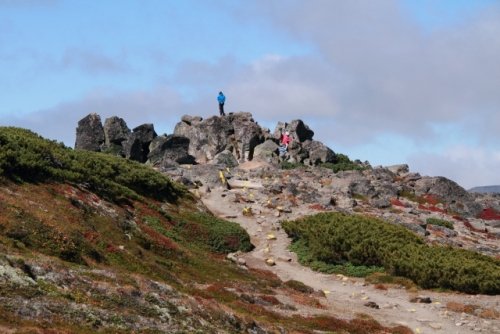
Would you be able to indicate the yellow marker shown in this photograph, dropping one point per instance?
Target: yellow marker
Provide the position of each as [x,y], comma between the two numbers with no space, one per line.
[326,292]
[417,330]
[271,236]
[222,178]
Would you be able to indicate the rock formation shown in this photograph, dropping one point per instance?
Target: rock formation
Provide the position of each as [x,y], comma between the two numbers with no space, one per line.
[227,140]
[89,133]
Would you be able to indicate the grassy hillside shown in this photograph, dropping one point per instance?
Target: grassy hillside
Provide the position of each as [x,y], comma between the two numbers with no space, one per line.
[91,243]
[338,239]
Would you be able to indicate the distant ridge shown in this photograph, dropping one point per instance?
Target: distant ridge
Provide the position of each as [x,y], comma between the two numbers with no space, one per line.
[486,189]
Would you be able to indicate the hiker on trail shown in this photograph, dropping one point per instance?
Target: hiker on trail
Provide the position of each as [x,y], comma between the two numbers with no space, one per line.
[285,139]
[221,98]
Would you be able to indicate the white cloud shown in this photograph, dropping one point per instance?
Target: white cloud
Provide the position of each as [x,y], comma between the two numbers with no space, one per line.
[93,62]
[471,166]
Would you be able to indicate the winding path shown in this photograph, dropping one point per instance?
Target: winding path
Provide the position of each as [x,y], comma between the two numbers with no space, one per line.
[344,296]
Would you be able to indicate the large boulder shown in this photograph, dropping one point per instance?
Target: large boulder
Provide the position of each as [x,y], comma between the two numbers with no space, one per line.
[267,151]
[236,132]
[167,151]
[298,130]
[318,152]
[206,138]
[90,133]
[453,196]
[116,132]
[136,147]
[246,132]
[226,159]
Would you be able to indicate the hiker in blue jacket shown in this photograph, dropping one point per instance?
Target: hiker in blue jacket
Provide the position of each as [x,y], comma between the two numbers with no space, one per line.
[221,98]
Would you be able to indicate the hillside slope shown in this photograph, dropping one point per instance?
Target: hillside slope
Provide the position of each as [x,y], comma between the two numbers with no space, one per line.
[93,243]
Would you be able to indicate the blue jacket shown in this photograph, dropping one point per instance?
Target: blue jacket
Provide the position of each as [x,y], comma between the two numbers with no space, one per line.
[221,98]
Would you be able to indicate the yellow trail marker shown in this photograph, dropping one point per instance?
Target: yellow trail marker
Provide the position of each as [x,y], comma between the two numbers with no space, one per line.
[222,177]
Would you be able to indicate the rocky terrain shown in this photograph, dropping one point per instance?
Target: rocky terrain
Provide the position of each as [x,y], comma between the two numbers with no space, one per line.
[93,243]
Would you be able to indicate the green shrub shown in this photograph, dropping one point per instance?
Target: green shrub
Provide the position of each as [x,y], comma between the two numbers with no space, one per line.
[290,165]
[299,286]
[25,156]
[440,222]
[220,235]
[342,162]
[336,238]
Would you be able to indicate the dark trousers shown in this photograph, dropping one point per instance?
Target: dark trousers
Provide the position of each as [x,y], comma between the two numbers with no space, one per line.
[221,109]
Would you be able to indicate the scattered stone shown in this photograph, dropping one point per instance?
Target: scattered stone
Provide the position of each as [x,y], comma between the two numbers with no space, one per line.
[420,299]
[270,262]
[271,236]
[435,325]
[372,305]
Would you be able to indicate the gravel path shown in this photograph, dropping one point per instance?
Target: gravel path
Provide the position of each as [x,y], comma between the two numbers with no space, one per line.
[344,296]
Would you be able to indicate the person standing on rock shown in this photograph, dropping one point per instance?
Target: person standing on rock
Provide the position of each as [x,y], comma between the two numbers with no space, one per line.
[221,99]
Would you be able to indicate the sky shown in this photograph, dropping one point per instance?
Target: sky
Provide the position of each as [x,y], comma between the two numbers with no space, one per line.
[384,81]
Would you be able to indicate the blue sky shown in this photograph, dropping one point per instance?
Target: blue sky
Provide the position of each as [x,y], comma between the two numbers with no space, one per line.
[409,81]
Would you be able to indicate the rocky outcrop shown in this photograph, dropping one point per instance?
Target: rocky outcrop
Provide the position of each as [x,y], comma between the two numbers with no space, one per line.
[90,133]
[206,137]
[237,133]
[299,131]
[136,147]
[116,132]
[452,196]
[208,141]
[168,151]
[318,152]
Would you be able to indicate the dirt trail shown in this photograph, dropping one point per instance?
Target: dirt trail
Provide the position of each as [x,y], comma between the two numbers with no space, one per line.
[344,296]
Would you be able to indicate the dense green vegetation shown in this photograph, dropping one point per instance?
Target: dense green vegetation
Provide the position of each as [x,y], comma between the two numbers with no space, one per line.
[343,163]
[439,222]
[202,230]
[337,238]
[25,156]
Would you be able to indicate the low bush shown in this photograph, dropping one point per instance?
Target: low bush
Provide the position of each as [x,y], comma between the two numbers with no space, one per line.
[342,162]
[440,222]
[337,238]
[220,235]
[25,156]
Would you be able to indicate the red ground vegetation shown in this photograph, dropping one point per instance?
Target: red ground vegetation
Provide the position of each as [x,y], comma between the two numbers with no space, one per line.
[317,207]
[489,214]
[159,238]
[397,202]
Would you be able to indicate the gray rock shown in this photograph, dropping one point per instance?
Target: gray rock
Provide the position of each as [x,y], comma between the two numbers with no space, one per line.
[267,151]
[166,151]
[399,169]
[456,198]
[137,145]
[207,138]
[225,158]
[298,130]
[318,152]
[191,120]
[446,231]
[381,203]
[116,132]
[90,133]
